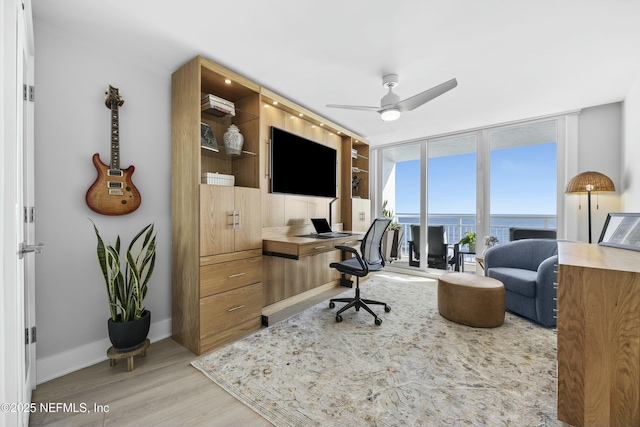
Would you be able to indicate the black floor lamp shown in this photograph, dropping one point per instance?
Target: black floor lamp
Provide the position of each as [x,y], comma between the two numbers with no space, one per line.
[588,182]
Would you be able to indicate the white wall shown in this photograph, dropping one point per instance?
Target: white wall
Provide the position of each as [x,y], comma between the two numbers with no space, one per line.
[630,176]
[73,123]
[599,146]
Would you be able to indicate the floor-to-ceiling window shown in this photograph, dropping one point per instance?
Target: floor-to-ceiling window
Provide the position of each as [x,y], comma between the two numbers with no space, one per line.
[481,182]
[401,189]
[523,177]
[451,195]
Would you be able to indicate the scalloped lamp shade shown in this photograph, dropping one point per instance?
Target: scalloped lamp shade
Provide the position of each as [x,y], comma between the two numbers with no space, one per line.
[590,181]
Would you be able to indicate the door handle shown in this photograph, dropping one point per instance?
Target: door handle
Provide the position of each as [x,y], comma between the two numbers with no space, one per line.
[25,249]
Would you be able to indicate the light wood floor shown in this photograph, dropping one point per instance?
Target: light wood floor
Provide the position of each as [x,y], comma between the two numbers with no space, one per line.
[162,390]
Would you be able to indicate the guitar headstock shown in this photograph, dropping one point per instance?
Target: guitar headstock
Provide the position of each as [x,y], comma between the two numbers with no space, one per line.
[113,97]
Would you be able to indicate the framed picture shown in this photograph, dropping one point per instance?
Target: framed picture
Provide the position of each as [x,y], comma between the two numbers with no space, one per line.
[207,138]
[621,230]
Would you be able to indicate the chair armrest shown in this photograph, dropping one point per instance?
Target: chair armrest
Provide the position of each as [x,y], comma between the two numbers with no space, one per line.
[547,271]
[497,256]
[347,249]
[355,252]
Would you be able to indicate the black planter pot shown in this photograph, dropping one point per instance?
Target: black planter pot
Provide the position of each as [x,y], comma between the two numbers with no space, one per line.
[127,336]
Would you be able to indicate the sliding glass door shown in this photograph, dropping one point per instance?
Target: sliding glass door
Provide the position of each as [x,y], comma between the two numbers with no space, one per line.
[401,195]
[451,199]
[523,178]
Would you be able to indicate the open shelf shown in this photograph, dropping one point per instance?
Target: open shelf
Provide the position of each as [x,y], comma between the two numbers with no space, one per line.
[240,117]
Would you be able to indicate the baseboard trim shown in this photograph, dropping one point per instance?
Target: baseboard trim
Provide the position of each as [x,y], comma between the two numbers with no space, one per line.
[60,364]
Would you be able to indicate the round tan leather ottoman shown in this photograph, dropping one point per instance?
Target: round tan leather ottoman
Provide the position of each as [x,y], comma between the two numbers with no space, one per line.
[471,300]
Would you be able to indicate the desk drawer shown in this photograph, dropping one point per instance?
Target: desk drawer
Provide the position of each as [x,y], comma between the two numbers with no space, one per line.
[225,276]
[348,241]
[227,309]
[315,248]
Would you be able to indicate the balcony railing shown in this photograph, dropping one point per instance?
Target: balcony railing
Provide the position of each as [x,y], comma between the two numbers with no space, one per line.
[456,225]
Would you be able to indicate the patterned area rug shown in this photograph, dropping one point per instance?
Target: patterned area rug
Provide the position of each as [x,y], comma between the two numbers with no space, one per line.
[416,369]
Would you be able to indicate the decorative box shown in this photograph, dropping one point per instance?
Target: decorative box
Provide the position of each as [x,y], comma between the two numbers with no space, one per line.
[218,179]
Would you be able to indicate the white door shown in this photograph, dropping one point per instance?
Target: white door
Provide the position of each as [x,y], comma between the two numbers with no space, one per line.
[17,361]
[29,248]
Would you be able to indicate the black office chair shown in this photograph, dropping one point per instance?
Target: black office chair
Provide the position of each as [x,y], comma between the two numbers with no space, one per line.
[441,255]
[360,265]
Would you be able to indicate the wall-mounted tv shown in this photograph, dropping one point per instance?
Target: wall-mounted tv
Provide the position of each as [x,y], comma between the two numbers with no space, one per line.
[301,166]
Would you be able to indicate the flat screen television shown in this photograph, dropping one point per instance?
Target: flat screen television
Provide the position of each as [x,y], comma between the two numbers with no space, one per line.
[301,166]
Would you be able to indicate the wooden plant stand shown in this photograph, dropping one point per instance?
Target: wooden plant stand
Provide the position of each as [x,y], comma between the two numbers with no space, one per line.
[114,355]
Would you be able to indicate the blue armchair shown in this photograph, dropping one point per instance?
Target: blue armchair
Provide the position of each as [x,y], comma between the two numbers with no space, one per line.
[528,270]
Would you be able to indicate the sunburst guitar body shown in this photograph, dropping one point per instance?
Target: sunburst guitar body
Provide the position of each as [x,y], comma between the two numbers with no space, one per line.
[113,192]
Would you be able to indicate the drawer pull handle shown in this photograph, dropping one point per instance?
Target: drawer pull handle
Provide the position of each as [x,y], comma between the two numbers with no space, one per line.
[319,247]
[235,308]
[236,275]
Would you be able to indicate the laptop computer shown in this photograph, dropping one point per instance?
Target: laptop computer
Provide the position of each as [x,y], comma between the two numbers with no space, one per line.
[323,229]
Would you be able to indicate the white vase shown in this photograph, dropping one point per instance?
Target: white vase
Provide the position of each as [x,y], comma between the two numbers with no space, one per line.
[233,140]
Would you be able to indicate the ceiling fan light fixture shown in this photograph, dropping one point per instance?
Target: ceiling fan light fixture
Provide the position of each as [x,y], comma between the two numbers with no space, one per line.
[390,114]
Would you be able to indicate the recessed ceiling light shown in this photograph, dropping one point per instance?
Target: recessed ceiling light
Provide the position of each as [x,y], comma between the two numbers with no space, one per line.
[275,102]
[227,81]
[300,115]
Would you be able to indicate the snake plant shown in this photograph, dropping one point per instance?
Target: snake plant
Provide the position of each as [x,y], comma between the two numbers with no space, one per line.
[126,291]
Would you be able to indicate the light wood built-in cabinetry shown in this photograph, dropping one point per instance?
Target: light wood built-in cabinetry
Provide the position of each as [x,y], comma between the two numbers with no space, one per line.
[216,237]
[356,207]
[598,335]
[221,280]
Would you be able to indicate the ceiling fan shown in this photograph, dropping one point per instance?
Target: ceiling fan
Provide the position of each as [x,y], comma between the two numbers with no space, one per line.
[391,107]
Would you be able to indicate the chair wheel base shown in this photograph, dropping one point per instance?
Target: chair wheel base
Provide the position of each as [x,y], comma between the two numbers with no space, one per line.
[387,308]
[338,318]
[378,321]
[332,305]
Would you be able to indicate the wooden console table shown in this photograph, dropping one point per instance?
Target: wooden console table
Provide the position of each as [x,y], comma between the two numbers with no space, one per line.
[598,335]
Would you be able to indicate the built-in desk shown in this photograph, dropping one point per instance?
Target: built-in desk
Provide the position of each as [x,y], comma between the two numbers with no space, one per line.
[294,247]
[295,268]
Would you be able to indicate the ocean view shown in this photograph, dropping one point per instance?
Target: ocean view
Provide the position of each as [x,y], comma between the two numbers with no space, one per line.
[456,225]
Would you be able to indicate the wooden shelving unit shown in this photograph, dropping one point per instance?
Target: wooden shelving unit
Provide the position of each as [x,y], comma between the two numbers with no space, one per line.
[217,257]
[356,207]
[220,279]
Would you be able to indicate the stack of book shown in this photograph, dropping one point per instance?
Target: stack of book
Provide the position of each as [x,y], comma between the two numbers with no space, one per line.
[217,106]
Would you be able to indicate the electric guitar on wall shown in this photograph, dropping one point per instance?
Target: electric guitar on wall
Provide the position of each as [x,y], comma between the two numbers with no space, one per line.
[113,192]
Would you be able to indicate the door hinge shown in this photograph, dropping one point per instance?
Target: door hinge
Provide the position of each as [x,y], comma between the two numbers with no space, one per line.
[24,92]
[32,93]
[33,334]
[29,214]
[26,336]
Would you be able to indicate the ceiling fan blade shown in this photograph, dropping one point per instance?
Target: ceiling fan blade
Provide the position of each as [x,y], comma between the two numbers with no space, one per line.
[354,107]
[426,96]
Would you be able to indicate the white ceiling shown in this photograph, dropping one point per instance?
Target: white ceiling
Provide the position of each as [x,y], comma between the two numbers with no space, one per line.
[513,59]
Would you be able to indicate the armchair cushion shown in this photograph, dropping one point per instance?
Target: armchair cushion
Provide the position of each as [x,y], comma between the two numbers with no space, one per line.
[519,280]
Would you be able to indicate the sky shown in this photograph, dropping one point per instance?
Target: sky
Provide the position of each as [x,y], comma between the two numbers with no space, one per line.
[523,181]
